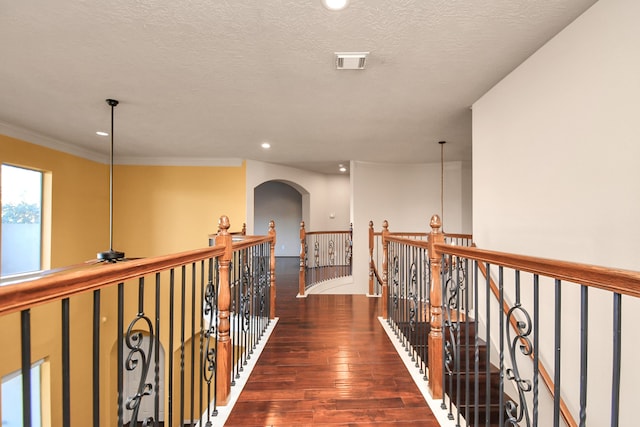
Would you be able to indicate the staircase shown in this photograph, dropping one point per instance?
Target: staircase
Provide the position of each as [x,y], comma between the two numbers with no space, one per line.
[460,378]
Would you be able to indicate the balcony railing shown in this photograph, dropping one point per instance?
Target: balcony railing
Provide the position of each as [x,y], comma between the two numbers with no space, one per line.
[324,255]
[156,341]
[376,252]
[496,340]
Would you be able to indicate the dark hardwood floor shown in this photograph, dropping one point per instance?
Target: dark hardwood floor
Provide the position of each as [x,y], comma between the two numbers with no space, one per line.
[328,362]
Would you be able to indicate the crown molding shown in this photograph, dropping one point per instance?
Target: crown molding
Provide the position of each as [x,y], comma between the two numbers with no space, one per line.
[55,144]
[178,161]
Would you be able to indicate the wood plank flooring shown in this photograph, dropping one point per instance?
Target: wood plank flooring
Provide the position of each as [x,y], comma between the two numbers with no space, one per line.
[328,362]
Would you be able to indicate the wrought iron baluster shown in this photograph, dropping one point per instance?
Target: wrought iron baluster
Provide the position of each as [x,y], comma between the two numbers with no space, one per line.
[120,344]
[209,314]
[617,355]
[331,252]
[156,376]
[501,339]
[476,345]
[451,333]
[536,343]
[183,295]
[138,357]
[66,372]
[25,346]
[171,317]
[584,346]
[201,336]
[556,358]
[517,412]
[488,347]
[96,359]
[192,336]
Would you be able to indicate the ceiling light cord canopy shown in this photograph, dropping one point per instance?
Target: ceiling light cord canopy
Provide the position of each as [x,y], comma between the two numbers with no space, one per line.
[111,255]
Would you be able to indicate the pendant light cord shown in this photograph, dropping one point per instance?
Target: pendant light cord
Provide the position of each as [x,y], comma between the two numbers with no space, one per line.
[442,181]
[111,185]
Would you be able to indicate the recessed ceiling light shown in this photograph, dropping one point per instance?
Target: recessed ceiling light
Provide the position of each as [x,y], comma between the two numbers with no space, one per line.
[335,4]
[342,168]
[101,133]
[265,145]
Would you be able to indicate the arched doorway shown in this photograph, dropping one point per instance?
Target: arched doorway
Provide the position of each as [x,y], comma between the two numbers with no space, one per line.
[283,203]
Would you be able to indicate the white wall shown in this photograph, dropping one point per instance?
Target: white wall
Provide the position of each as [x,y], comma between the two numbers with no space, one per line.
[555,174]
[406,195]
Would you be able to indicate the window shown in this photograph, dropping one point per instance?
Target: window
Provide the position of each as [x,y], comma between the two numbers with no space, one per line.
[21,191]
[12,397]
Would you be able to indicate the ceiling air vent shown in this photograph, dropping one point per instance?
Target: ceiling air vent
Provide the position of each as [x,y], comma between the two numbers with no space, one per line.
[351,60]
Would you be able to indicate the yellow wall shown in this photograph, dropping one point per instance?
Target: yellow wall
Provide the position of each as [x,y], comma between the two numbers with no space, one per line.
[79,199]
[157,210]
[166,209]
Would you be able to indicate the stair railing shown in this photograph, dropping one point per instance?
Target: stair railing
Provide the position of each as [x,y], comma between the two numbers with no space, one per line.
[324,255]
[205,309]
[376,249]
[496,383]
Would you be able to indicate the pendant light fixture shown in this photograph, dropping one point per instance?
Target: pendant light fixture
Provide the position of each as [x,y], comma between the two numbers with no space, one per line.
[442,182]
[111,255]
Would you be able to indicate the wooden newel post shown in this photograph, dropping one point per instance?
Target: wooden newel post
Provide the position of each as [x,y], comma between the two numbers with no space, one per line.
[272,267]
[303,255]
[224,350]
[371,257]
[435,335]
[385,269]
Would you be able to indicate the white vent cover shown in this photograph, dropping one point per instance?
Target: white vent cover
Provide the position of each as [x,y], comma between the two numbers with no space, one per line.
[351,60]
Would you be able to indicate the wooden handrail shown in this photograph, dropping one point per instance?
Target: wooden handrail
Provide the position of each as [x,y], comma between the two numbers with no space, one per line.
[92,276]
[619,281]
[546,378]
[625,282]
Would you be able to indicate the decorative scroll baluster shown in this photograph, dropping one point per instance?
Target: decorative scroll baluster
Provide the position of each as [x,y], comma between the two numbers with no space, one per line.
[302,280]
[210,316]
[139,357]
[451,326]
[395,291]
[272,270]
[348,244]
[413,294]
[385,269]
[245,297]
[263,285]
[331,251]
[316,253]
[518,412]
[156,377]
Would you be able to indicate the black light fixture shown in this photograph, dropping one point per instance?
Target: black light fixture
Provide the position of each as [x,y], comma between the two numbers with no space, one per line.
[111,255]
[442,181]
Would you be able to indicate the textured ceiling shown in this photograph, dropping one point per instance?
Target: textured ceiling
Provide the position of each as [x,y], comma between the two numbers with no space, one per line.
[213,79]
